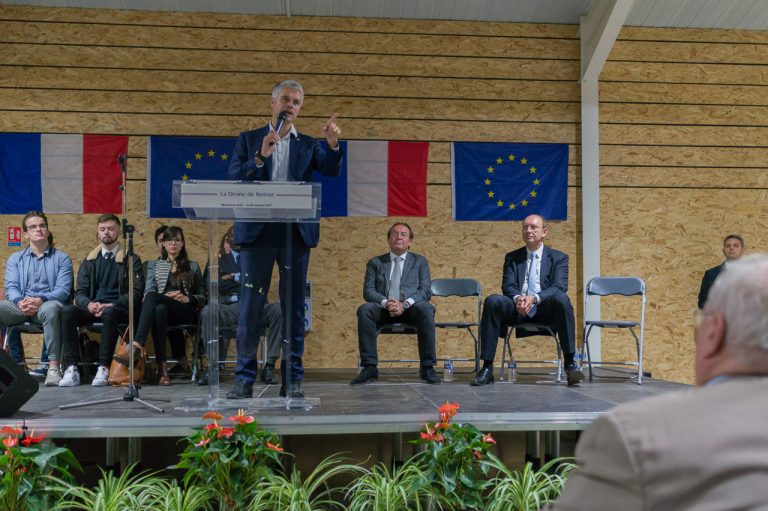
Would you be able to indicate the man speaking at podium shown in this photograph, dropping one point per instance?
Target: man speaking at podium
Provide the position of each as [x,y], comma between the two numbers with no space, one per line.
[277,152]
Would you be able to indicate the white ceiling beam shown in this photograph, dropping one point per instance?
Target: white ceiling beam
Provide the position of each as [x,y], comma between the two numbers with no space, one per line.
[599,30]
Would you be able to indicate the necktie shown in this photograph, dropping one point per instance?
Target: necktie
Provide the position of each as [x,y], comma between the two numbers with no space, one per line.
[533,282]
[394,285]
[108,256]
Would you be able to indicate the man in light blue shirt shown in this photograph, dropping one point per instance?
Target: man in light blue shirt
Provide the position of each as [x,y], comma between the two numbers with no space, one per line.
[38,282]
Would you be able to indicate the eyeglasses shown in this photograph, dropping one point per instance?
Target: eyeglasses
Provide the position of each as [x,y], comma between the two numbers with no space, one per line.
[175,241]
[37,226]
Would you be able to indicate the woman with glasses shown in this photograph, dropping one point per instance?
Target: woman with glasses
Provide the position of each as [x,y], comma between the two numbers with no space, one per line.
[173,293]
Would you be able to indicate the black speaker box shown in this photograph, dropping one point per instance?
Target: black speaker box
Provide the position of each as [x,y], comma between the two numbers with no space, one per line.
[16,386]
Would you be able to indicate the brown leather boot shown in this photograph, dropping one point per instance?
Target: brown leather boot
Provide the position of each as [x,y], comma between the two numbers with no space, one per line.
[162,374]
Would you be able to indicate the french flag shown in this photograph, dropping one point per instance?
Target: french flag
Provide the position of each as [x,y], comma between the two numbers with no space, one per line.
[60,173]
[378,178]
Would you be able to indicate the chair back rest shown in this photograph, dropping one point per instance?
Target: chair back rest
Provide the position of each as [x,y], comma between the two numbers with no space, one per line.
[627,286]
[456,287]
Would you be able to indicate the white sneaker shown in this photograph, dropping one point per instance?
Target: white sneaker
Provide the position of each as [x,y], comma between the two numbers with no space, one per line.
[71,377]
[53,377]
[102,377]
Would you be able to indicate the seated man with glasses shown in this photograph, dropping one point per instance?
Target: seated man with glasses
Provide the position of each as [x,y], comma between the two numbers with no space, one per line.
[38,282]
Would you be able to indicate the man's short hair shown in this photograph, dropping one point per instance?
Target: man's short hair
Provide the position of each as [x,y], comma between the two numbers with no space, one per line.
[410,231]
[108,217]
[734,237]
[290,84]
[740,293]
[31,214]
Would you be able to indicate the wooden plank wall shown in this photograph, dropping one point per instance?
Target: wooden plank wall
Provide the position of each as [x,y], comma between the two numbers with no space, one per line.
[683,133]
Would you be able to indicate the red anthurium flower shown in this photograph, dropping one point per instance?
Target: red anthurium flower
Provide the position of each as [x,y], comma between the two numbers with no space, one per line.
[29,440]
[242,419]
[477,454]
[274,447]
[203,442]
[226,432]
[10,441]
[10,431]
[211,426]
[448,411]
[213,415]
[489,439]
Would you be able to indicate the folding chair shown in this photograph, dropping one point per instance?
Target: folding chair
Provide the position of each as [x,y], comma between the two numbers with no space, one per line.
[535,329]
[24,328]
[624,286]
[463,288]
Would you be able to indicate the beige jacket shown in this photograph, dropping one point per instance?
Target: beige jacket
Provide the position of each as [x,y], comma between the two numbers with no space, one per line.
[699,449]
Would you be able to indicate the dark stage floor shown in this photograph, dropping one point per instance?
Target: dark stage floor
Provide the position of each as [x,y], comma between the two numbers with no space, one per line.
[397,403]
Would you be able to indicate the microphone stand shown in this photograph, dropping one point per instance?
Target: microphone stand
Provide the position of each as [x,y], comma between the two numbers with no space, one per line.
[132,392]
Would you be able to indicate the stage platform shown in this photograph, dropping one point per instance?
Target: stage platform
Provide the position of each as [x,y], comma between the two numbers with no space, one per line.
[396,403]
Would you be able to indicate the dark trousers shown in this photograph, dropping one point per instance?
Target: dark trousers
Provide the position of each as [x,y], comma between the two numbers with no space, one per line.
[421,315]
[256,263]
[73,316]
[157,313]
[16,348]
[499,313]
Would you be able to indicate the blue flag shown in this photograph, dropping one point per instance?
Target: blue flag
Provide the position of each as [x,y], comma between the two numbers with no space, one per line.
[505,181]
[181,158]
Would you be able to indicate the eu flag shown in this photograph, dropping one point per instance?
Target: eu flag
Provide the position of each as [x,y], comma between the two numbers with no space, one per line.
[506,181]
[181,158]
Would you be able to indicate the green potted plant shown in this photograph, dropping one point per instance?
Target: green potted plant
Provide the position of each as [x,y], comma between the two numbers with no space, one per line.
[294,493]
[231,460]
[526,489]
[128,491]
[455,459]
[193,498]
[383,489]
[27,464]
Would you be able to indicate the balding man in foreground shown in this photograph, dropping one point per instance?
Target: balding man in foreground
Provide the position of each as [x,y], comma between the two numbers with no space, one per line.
[702,448]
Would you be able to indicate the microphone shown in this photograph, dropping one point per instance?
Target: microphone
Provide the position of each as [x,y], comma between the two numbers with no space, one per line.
[280,122]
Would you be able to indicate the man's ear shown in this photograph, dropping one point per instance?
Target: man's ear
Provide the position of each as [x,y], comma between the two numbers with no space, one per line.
[712,339]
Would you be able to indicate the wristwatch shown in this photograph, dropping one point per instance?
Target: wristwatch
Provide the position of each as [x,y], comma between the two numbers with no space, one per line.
[258,157]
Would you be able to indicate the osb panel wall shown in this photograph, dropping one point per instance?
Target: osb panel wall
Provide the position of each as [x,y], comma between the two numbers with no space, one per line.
[139,74]
[684,162]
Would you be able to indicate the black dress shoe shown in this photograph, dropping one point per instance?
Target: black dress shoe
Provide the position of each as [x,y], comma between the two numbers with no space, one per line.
[367,375]
[429,375]
[203,380]
[575,376]
[240,390]
[295,391]
[484,377]
[268,375]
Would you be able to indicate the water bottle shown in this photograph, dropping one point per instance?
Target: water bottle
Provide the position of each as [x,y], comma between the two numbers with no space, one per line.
[577,359]
[448,370]
[512,371]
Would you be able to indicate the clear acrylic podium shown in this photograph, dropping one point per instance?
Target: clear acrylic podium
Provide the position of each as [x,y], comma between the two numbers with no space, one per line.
[244,201]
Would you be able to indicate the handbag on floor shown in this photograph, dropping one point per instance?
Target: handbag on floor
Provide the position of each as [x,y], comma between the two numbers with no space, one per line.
[118,370]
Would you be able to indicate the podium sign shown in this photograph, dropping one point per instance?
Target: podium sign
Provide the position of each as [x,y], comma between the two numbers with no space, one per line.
[248,201]
[243,201]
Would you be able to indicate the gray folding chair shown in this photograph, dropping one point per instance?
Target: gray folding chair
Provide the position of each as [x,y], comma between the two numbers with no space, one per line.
[530,329]
[607,286]
[462,288]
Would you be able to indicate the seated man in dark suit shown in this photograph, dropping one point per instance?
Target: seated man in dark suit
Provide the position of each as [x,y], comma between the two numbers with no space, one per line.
[397,289]
[733,249]
[534,286]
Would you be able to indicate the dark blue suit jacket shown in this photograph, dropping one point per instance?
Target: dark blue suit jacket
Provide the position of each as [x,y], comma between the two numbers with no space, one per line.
[553,275]
[306,157]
